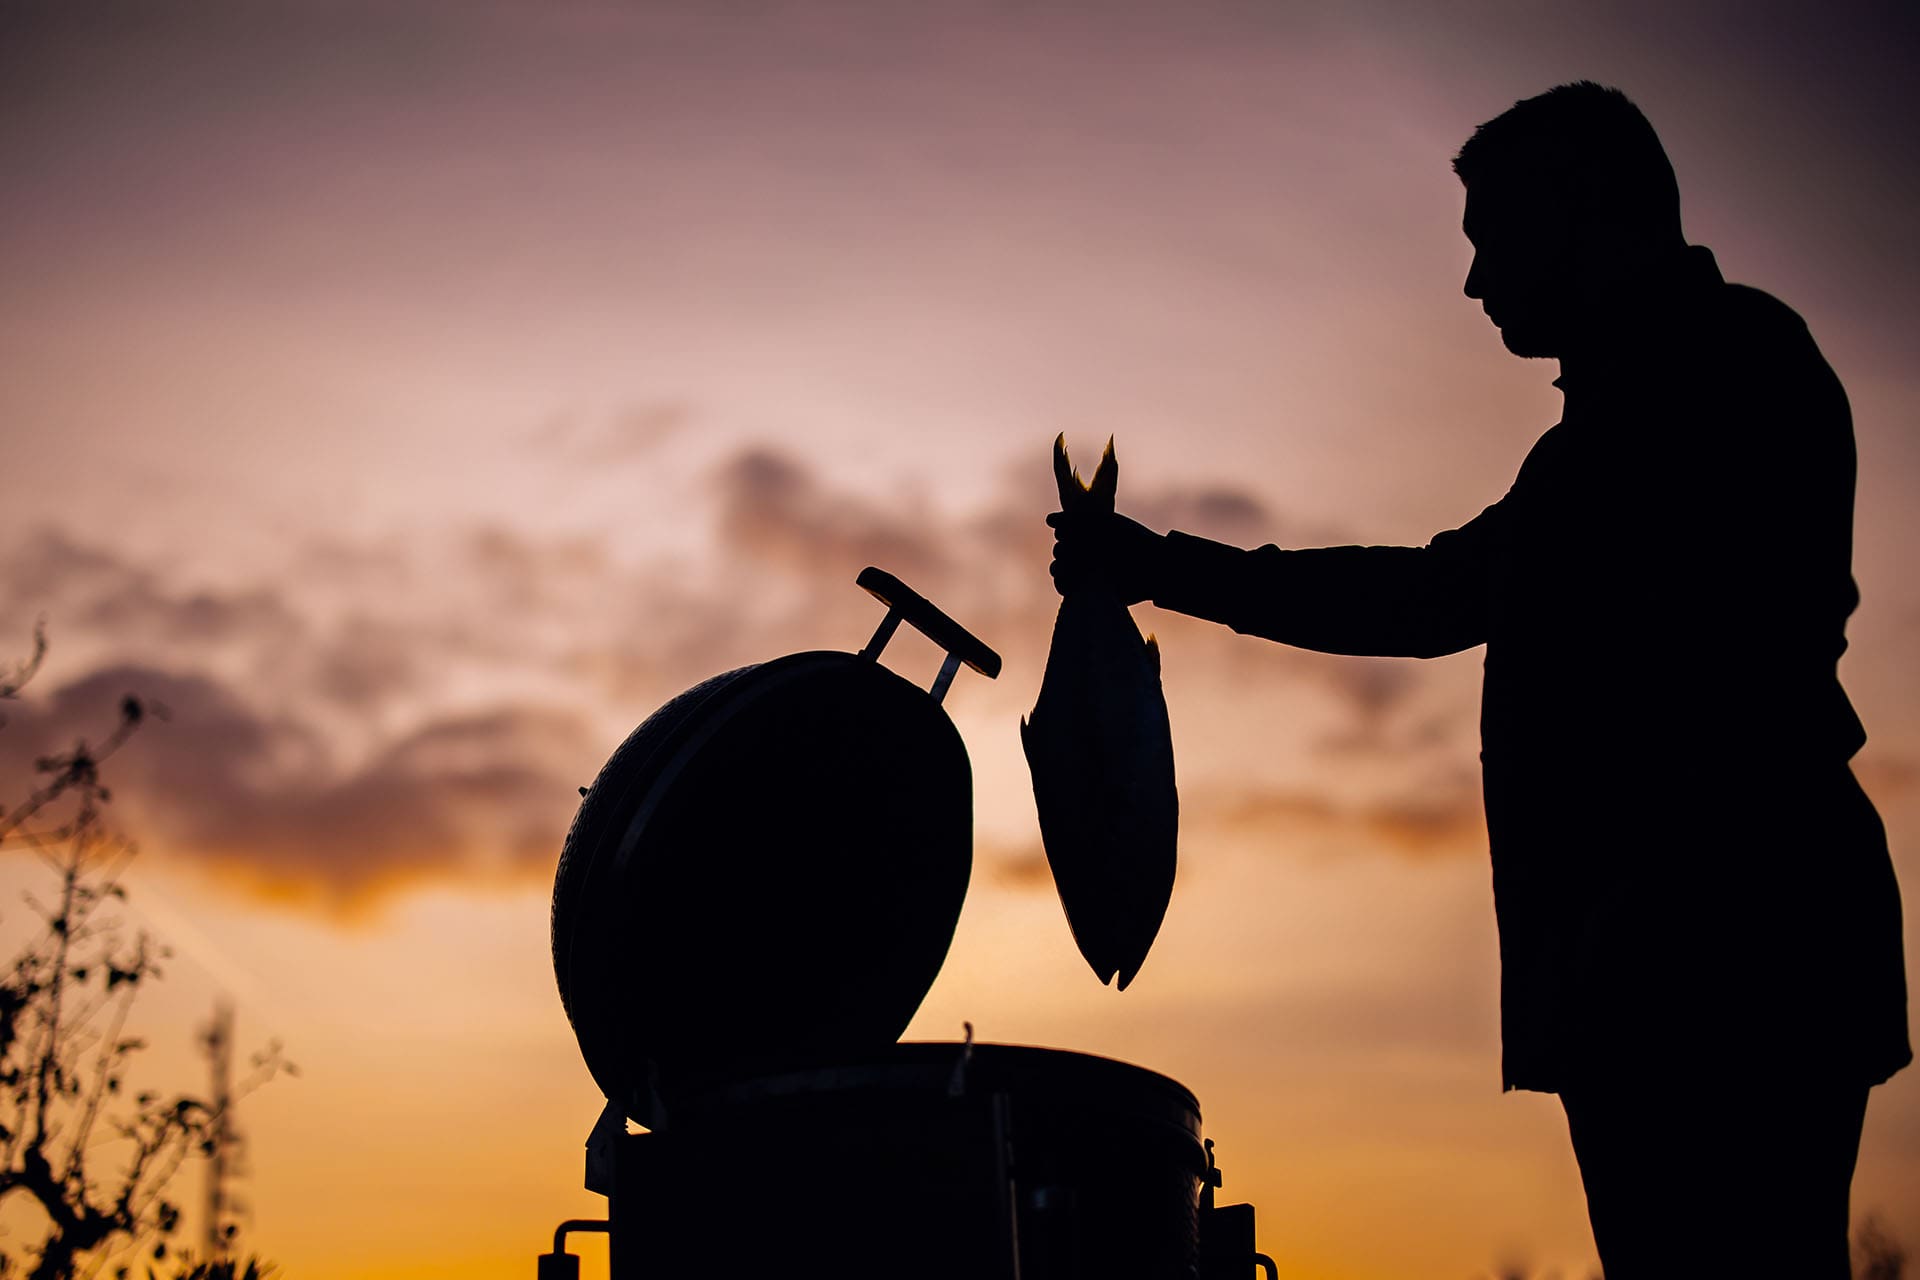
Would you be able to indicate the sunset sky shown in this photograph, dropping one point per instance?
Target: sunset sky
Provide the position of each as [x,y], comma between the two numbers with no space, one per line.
[413,396]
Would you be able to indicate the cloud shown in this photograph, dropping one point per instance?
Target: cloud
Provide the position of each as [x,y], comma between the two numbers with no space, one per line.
[787,543]
[772,508]
[1443,817]
[1019,866]
[1374,691]
[106,607]
[637,431]
[366,662]
[48,563]
[94,588]
[262,798]
[630,434]
[522,577]
[1211,511]
[387,712]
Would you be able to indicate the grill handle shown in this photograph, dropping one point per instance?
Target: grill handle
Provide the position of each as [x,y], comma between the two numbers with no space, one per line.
[905,604]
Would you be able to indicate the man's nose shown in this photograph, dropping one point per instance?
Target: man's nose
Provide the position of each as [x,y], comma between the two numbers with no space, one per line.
[1472,288]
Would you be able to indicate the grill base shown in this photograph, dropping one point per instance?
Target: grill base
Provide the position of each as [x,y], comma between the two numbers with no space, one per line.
[942,1161]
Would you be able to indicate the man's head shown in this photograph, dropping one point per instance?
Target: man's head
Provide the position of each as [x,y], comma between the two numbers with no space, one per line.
[1571,208]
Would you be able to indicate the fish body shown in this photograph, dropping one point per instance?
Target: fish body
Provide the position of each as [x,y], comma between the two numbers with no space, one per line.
[1100,748]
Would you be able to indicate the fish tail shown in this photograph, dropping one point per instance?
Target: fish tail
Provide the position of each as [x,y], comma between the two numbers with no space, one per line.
[1073,492]
[1106,479]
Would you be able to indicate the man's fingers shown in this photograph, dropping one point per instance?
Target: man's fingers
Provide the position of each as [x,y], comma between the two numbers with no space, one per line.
[1078,548]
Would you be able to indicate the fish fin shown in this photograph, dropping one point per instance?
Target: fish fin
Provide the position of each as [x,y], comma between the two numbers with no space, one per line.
[1153,653]
[1106,480]
[1073,491]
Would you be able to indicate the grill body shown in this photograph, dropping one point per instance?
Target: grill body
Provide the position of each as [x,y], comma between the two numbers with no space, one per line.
[756,893]
[936,1160]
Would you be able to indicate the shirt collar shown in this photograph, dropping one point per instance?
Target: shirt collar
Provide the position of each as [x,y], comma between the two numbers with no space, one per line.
[1663,316]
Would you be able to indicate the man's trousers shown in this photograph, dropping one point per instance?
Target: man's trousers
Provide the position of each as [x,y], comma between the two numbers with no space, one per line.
[1749,1178]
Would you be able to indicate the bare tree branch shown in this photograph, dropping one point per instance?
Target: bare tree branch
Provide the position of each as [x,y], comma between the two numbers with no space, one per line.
[64,1053]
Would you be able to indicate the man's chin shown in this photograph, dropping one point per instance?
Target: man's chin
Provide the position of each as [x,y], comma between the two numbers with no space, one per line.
[1528,343]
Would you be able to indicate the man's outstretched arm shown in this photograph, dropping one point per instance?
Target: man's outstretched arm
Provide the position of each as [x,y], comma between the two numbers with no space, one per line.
[1414,602]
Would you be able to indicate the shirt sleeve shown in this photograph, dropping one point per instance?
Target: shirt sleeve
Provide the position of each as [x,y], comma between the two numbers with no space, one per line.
[1410,602]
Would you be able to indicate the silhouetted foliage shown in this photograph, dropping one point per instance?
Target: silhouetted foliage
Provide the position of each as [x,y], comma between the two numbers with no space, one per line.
[67,1104]
[226,1269]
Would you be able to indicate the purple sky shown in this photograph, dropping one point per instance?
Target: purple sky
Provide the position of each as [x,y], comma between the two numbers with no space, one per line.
[405,390]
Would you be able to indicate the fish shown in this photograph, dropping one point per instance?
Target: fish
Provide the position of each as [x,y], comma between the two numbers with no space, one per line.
[1099,745]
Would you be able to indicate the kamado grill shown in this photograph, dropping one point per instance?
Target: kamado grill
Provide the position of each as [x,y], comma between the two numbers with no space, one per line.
[756,893]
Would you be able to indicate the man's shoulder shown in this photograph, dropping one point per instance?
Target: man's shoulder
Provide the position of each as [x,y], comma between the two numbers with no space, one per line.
[1758,351]
[1738,310]
[1746,339]
[1756,315]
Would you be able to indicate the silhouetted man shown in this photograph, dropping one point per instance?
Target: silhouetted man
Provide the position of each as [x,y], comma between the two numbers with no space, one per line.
[1700,930]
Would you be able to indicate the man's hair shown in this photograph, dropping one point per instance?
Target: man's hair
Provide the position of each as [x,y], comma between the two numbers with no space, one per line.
[1585,140]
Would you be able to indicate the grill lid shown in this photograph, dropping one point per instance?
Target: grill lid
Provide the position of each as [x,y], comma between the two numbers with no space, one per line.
[769,868]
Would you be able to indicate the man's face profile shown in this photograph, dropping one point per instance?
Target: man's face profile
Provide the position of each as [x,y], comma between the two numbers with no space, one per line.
[1523,266]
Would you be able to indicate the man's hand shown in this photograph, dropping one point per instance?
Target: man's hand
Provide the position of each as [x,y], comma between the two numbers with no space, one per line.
[1106,547]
